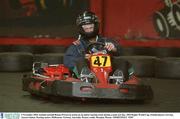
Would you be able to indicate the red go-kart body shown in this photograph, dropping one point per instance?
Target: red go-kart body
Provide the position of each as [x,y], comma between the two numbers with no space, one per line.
[57,80]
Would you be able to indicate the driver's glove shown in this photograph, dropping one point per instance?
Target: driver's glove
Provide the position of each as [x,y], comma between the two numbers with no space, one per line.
[110,46]
[77,42]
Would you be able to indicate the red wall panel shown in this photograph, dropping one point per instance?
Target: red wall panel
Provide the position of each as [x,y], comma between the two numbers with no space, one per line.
[130,17]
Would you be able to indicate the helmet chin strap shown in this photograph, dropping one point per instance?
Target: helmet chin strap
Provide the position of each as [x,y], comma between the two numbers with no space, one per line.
[97,37]
[79,36]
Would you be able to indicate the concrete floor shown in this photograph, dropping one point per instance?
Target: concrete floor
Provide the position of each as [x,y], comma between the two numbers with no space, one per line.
[13,99]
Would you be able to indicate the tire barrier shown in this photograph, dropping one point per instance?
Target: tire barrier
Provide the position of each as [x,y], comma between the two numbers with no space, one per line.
[129,51]
[159,52]
[167,68]
[143,65]
[24,48]
[54,49]
[50,58]
[125,51]
[15,62]
[167,21]
[36,49]
[162,52]
[5,48]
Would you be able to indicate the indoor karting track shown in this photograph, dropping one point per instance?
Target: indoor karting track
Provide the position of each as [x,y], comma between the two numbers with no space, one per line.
[13,99]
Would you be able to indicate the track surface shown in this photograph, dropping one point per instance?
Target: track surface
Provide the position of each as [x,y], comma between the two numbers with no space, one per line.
[13,99]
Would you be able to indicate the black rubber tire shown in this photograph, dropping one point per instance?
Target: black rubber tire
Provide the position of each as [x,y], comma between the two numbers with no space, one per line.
[162,52]
[35,49]
[54,49]
[5,48]
[129,51]
[168,68]
[22,48]
[121,64]
[81,64]
[144,66]
[50,58]
[15,62]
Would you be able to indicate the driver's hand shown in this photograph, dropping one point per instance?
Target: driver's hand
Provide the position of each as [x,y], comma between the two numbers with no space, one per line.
[77,42]
[110,46]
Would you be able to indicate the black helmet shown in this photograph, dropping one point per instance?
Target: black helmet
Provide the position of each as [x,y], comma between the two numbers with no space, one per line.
[88,18]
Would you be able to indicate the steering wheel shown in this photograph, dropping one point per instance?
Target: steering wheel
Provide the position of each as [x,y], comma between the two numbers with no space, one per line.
[95,47]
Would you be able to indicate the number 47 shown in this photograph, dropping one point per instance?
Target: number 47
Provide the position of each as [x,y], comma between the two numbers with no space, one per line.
[100,61]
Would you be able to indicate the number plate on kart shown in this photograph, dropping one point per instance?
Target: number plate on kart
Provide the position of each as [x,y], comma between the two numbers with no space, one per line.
[101,61]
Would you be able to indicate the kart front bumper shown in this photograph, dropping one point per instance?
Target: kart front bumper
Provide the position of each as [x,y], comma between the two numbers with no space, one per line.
[89,90]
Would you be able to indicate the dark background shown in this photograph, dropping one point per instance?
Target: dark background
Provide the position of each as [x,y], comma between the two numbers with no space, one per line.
[55,18]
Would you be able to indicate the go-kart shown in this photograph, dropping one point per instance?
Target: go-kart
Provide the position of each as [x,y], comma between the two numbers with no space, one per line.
[97,80]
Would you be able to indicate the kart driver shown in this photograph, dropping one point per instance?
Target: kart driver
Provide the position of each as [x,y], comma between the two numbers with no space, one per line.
[88,27]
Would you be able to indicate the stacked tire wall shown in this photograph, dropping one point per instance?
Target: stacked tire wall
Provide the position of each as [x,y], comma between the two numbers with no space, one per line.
[20,58]
[161,62]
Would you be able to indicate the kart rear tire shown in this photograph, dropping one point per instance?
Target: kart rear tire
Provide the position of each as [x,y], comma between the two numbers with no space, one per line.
[50,58]
[144,66]
[168,68]
[121,64]
[15,62]
[80,65]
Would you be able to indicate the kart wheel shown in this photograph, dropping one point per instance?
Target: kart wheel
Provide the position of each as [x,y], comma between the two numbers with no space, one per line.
[168,68]
[121,64]
[50,58]
[143,65]
[15,62]
[80,65]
